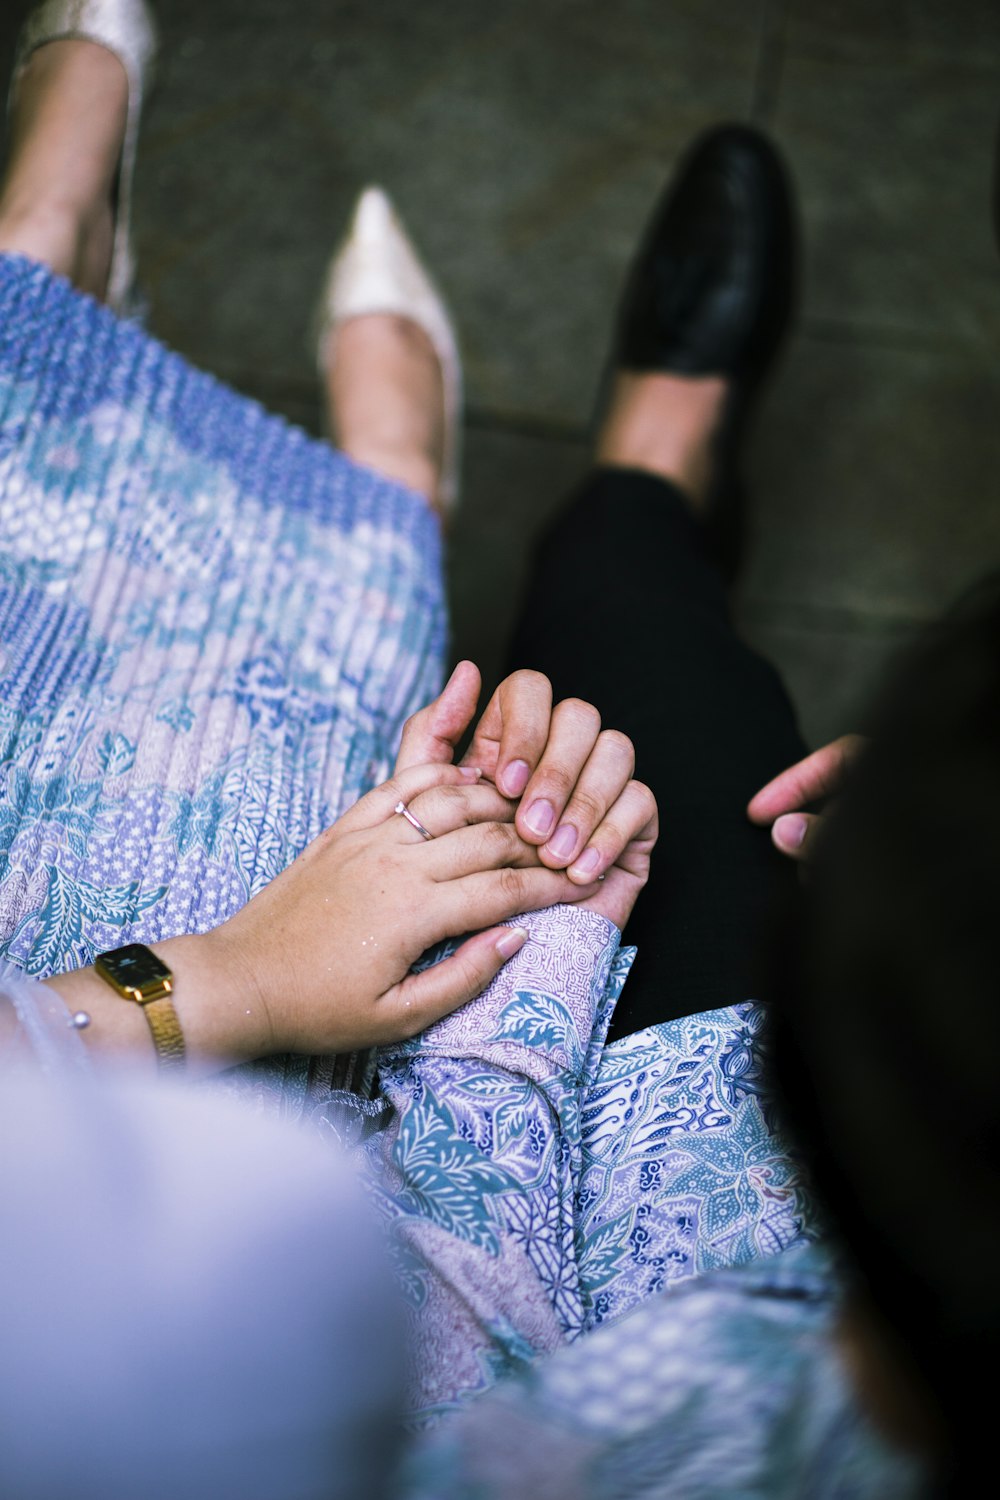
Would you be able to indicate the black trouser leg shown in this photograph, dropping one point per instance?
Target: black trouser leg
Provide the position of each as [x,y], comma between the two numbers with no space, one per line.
[627,609]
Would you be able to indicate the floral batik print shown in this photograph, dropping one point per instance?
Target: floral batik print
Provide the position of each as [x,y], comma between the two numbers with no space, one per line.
[212,629]
[537,1182]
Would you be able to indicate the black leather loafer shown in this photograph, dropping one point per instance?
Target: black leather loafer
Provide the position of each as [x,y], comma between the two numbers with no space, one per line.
[712,288]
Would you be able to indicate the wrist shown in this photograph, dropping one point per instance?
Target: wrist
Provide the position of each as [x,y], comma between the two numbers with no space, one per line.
[218,1003]
[221,1011]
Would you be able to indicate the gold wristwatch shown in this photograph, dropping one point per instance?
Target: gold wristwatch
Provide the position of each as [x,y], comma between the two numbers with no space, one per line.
[137,974]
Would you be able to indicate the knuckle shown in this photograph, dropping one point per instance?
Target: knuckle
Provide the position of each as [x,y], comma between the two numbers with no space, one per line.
[611,838]
[404,1012]
[582,715]
[484,804]
[501,838]
[585,808]
[406,1022]
[504,811]
[553,782]
[619,745]
[645,800]
[386,864]
[449,793]
[321,842]
[512,883]
[527,677]
[393,787]
[470,980]
[414,1020]
[644,793]
[436,799]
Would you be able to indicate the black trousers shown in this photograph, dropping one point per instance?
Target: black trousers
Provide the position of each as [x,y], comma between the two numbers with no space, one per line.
[627,609]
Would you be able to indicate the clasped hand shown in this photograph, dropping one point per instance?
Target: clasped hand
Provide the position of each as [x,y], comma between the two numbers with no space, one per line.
[325,950]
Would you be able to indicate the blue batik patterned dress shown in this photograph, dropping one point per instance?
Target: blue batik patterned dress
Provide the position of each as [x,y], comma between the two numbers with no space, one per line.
[538,1183]
[211,631]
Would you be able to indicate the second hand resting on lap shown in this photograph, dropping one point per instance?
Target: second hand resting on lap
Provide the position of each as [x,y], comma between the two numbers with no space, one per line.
[319,961]
[781,803]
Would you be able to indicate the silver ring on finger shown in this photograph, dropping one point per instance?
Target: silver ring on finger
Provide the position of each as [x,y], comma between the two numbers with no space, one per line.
[413,821]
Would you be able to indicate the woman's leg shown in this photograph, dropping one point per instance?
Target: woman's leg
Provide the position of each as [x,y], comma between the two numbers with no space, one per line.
[384,400]
[66,129]
[383,394]
[627,608]
[213,628]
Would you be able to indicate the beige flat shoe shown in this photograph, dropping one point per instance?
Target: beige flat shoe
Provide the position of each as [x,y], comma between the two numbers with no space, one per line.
[126,28]
[377,270]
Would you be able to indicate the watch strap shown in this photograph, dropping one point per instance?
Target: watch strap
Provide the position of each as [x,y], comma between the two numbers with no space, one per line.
[168,1039]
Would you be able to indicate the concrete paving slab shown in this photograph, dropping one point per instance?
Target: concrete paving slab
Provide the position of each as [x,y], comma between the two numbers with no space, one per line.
[876,481]
[893,154]
[897,30]
[524,144]
[831,667]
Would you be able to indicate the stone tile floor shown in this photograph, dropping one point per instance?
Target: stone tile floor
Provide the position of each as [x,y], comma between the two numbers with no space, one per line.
[524,144]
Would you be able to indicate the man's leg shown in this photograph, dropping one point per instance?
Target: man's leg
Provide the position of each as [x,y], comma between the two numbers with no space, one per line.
[627,608]
[627,605]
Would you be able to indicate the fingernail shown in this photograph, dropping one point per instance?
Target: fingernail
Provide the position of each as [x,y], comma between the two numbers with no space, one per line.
[470,773]
[790,830]
[515,778]
[540,818]
[513,940]
[586,866]
[563,841]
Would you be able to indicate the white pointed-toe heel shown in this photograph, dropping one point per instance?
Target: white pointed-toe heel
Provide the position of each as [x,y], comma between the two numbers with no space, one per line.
[126,28]
[377,270]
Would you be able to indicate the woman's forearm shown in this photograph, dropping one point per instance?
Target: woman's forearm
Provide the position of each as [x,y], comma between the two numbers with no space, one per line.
[320,960]
[222,1015]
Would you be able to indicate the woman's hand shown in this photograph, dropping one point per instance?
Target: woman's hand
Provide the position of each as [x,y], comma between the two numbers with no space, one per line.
[324,951]
[577,802]
[319,960]
[821,774]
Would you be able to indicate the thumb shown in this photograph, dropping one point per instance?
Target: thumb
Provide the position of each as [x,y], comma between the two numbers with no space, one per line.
[432,734]
[421,999]
[794,833]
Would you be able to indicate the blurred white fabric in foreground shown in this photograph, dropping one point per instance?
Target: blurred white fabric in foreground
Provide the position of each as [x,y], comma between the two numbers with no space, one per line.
[192,1299]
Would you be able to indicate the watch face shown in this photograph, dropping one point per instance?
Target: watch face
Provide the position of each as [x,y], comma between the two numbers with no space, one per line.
[133,965]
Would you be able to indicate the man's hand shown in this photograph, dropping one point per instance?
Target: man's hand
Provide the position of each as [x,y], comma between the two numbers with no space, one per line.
[821,774]
[576,800]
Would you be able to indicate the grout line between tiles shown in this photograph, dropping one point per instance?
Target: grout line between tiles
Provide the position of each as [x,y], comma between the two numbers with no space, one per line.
[300,394]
